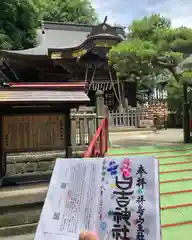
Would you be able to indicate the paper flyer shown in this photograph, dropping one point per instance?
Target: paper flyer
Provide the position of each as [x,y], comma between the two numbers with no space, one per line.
[116,197]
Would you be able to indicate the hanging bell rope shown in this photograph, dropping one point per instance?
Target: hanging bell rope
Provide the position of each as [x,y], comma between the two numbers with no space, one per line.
[112,83]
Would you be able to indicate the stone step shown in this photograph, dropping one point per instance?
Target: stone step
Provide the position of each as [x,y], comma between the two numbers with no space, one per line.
[20,237]
[20,208]
[16,231]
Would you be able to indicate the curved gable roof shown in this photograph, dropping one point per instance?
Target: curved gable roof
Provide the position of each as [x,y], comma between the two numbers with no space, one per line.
[64,36]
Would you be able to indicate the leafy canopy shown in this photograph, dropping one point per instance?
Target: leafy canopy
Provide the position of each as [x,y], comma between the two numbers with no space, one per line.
[150,48]
[20,18]
[75,11]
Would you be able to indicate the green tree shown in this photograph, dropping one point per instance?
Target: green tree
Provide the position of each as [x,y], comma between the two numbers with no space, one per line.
[175,95]
[20,18]
[150,48]
[67,11]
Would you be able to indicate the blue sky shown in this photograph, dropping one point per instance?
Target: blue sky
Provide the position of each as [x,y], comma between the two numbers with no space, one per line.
[124,11]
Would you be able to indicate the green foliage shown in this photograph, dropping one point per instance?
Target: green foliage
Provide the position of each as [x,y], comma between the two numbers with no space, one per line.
[133,56]
[146,27]
[183,40]
[67,11]
[17,24]
[186,75]
[150,48]
[5,41]
[20,18]
[175,91]
[175,95]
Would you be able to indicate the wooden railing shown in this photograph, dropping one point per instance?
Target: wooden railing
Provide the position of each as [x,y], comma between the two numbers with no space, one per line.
[83,126]
[99,144]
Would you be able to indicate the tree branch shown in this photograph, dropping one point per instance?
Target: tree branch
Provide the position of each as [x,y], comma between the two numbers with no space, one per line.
[168,64]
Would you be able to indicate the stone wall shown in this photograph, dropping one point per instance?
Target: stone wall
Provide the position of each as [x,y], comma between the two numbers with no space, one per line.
[39,162]
[156,108]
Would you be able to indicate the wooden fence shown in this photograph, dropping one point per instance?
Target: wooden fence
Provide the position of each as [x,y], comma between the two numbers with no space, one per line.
[140,116]
[129,117]
[86,121]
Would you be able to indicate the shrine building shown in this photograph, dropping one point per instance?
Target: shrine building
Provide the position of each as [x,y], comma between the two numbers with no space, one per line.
[69,53]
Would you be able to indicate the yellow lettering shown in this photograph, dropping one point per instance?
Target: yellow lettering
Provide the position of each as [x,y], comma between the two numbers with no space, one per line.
[79,53]
[56,56]
[103,44]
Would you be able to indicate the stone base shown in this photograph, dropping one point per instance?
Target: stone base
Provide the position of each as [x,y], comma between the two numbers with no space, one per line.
[35,163]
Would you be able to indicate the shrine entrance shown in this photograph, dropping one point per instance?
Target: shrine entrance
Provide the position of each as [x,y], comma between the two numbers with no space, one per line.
[111,98]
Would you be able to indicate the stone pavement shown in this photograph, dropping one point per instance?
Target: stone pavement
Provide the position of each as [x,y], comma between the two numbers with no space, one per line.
[147,138]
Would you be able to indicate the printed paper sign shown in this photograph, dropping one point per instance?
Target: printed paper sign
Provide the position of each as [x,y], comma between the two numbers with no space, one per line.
[117,198]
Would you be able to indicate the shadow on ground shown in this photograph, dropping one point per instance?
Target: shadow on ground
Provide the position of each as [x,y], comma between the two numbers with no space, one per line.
[139,143]
[170,137]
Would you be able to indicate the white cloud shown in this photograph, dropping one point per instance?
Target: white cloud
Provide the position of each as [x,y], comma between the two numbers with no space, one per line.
[124,11]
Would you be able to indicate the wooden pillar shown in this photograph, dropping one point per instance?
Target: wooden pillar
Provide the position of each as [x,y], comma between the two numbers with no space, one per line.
[100,107]
[3,164]
[186,117]
[68,146]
